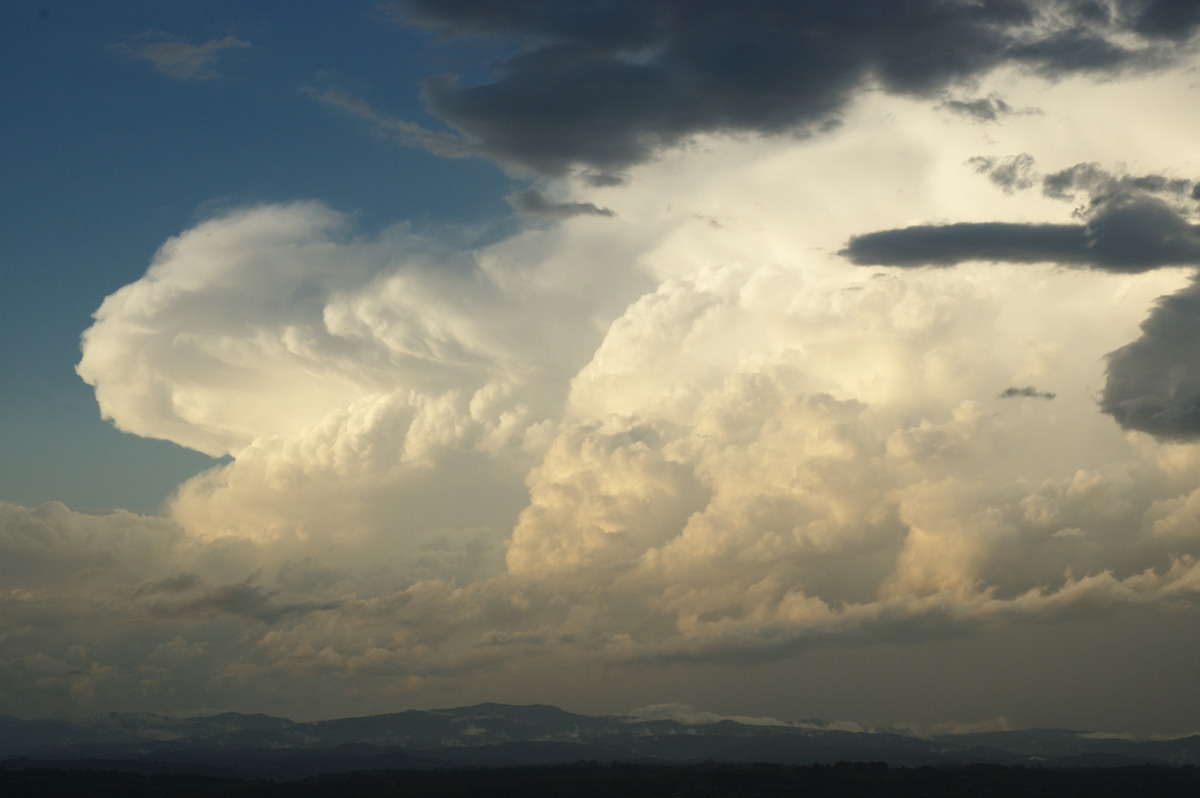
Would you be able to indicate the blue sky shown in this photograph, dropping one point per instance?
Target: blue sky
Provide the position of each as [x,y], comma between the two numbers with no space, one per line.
[792,359]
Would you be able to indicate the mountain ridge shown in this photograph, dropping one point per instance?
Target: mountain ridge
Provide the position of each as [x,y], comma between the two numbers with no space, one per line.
[493,734]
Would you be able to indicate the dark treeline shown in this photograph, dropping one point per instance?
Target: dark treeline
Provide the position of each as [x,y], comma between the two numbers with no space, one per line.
[587,779]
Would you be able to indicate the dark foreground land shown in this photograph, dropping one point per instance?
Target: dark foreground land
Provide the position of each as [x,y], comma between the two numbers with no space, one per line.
[588,779]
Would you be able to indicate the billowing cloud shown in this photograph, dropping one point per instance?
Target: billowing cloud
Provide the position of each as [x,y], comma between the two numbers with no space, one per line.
[179,59]
[268,320]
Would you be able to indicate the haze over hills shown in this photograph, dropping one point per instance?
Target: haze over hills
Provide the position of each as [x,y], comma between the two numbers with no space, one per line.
[498,735]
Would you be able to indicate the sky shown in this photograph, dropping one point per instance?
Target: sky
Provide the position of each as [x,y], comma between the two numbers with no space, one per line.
[821,359]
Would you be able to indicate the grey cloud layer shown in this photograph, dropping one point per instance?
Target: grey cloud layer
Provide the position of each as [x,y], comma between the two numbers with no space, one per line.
[607,85]
[1133,223]
[1126,234]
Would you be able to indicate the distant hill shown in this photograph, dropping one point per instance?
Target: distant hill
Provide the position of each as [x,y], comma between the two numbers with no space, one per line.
[492,735]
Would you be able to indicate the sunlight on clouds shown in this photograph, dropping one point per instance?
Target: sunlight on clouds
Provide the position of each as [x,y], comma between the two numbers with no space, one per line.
[222,341]
[688,431]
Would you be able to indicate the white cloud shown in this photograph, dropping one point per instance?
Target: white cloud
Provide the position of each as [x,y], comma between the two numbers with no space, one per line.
[687,432]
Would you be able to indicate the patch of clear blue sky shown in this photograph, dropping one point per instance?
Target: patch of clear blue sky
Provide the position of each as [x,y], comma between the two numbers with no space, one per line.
[102,158]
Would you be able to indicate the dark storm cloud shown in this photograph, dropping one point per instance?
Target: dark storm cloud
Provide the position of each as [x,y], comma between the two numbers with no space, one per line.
[1010,174]
[1101,185]
[946,245]
[605,85]
[1130,234]
[982,109]
[1080,177]
[1170,19]
[1028,392]
[1019,172]
[1080,51]
[1153,383]
[532,202]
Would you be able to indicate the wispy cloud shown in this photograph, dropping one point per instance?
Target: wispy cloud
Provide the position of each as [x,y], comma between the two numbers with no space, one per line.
[405,133]
[179,59]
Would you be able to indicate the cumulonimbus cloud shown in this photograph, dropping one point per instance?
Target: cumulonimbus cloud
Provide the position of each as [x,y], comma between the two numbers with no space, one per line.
[556,447]
[727,415]
[683,433]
